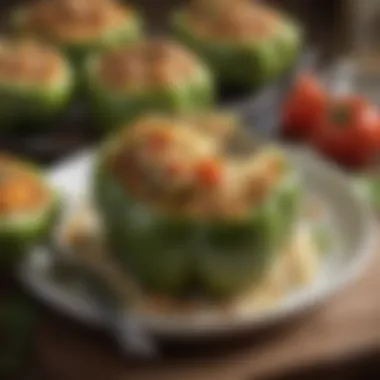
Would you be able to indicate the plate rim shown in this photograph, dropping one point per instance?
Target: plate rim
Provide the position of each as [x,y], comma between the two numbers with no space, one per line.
[307,298]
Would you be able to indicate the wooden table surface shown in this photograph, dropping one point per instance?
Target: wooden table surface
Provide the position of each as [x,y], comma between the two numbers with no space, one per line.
[343,331]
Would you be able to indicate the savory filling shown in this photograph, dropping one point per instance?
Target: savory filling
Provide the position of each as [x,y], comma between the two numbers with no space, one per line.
[77,20]
[29,62]
[182,170]
[232,20]
[20,190]
[149,64]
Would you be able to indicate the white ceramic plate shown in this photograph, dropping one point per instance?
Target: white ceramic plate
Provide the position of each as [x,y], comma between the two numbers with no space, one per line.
[352,223]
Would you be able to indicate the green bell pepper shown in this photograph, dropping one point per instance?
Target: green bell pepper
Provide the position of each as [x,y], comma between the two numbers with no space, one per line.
[20,231]
[170,254]
[113,108]
[32,106]
[243,64]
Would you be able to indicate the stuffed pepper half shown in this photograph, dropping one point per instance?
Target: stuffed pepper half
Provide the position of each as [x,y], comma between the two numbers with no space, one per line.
[36,84]
[158,75]
[28,207]
[246,44]
[80,26]
[180,215]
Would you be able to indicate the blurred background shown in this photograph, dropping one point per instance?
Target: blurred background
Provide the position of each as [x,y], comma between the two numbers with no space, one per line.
[330,24]
[331,32]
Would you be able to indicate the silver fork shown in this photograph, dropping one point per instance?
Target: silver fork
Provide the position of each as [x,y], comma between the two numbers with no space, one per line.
[109,294]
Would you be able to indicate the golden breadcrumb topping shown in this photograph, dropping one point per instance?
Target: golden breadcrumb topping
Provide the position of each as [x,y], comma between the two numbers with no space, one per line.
[232,20]
[29,62]
[148,64]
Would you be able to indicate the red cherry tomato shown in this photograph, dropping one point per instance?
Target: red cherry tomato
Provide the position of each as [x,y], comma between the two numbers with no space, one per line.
[349,131]
[304,108]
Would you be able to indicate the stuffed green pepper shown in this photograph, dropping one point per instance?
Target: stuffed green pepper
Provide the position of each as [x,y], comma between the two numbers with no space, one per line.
[79,27]
[28,207]
[246,44]
[158,75]
[180,214]
[36,84]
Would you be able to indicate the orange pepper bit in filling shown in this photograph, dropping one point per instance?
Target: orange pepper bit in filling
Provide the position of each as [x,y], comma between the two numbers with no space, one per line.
[209,172]
[20,191]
